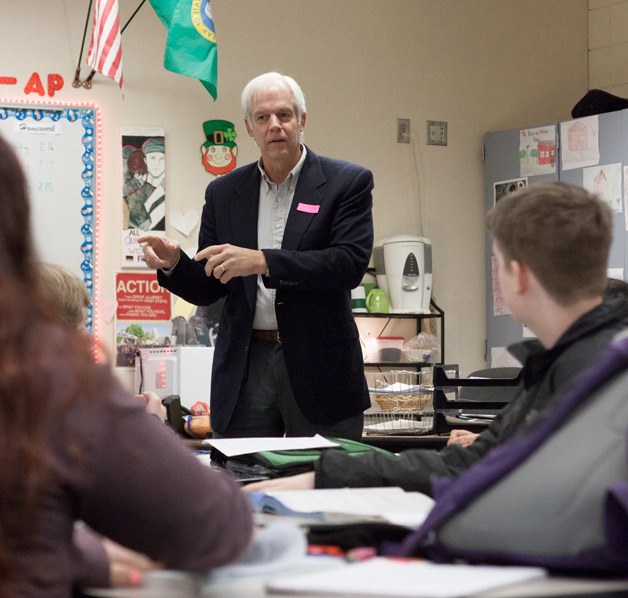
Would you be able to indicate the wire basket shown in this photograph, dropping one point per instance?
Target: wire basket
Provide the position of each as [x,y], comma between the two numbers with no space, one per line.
[401,423]
[400,404]
[398,391]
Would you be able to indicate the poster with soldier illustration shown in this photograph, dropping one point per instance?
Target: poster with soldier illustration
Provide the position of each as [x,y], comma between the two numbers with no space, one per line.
[143,190]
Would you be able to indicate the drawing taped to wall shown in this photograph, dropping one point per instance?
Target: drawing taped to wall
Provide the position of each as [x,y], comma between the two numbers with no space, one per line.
[537,151]
[580,143]
[606,182]
[143,189]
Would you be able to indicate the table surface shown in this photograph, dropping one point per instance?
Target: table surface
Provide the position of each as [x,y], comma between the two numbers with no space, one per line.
[391,442]
[170,584]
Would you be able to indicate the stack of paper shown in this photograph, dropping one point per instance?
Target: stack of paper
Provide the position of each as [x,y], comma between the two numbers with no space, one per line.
[386,578]
[390,504]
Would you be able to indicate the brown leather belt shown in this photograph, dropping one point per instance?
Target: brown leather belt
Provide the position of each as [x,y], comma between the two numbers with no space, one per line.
[270,336]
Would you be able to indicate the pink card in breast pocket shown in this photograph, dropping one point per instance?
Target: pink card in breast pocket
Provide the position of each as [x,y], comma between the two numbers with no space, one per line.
[309,208]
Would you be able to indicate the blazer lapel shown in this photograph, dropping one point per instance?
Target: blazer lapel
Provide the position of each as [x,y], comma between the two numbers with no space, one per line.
[244,210]
[306,202]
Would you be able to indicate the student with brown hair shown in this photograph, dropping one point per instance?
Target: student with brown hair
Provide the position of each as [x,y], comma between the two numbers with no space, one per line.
[551,242]
[75,446]
[101,562]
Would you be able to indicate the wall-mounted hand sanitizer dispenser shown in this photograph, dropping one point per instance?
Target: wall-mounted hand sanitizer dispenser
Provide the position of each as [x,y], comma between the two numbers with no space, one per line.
[185,371]
[403,268]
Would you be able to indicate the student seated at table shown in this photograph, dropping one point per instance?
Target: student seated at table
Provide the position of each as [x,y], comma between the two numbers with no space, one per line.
[551,242]
[102,562]
[616,291]
[75,446]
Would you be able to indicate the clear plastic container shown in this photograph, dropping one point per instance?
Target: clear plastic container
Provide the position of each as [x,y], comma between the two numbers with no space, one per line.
[384,349]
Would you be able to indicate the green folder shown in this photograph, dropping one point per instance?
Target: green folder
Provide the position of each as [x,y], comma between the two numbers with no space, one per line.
[295,461]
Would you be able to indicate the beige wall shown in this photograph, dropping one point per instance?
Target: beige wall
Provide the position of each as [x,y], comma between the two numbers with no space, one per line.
[608,46]
[480,65]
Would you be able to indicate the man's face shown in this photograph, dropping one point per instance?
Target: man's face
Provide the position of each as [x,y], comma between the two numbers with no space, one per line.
[156,163]
[275,128]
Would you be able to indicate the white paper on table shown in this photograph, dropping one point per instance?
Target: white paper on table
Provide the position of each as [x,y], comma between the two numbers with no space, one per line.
[404,579]
[231,447]
[388,503]
[400,425]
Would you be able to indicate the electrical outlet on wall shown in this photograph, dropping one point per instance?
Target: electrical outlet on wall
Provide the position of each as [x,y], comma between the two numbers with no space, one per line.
[436,132]
[403,130]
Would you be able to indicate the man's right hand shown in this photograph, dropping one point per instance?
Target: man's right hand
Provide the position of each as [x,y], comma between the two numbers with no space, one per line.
[160,252]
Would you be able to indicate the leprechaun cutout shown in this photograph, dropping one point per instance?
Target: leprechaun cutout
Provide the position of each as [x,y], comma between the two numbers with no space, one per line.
[219,151]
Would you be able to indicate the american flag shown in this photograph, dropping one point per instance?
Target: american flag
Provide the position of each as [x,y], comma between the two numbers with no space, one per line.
[105,50]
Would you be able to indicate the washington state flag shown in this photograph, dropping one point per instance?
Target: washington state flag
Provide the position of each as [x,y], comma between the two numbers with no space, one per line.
[191,43]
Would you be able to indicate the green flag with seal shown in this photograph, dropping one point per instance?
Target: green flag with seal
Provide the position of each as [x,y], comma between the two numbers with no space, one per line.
[191,44]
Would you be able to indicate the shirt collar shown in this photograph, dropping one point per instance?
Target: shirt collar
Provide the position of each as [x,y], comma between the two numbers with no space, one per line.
[293,175]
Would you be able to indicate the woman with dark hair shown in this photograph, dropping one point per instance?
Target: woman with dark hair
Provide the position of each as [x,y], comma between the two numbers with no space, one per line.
[75,446]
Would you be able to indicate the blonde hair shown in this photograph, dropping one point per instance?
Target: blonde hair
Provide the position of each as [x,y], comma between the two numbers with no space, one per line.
[66,295]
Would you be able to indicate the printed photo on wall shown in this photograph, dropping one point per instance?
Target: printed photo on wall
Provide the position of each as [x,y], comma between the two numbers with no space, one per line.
[143,189]
[143,315]
[501,188]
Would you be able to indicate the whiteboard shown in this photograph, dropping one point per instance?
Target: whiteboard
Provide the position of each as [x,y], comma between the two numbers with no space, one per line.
[57,145]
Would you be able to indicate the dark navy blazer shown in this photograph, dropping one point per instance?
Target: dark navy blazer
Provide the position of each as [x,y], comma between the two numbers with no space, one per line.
[326,248]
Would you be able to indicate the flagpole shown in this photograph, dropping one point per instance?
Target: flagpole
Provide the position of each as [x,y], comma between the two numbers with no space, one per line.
[77,73]
[87,84]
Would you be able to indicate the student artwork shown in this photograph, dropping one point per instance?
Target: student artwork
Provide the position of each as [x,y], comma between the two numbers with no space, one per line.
[499,305]
[537,151]
[625,195]
[143,190]
[606,182]
[219,151]
[580,143]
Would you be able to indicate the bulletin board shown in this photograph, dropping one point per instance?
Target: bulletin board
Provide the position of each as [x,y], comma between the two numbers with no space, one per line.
[57,145]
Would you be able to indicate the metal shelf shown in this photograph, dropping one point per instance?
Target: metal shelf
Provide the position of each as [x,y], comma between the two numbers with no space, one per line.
[440,314]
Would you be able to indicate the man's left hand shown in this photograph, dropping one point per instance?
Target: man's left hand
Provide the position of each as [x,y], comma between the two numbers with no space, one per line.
[225,262]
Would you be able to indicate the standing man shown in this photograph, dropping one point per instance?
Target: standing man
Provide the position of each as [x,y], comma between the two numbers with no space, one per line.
[284,239]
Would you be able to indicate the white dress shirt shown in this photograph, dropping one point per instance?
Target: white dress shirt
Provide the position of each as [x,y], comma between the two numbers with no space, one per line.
[274,207]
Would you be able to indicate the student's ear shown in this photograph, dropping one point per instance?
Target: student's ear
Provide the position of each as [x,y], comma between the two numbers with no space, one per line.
[521,276]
